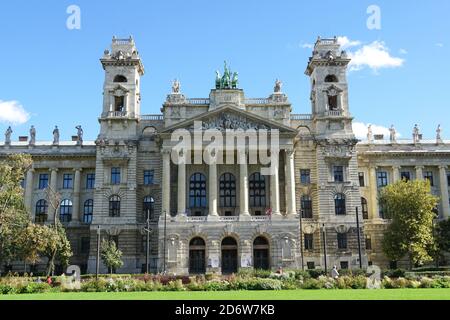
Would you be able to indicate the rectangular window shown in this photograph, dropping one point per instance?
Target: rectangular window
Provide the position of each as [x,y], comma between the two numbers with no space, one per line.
[361,179]
[310,265]
[382,179]
[309,242]
[305,176]
[405,175]
[342,240]
[85,244]
[115,175]
[368,243]
[43,180]
[115,239]
[148,177]
[338,173]
[429,176]
[90,181]
[344,265]
[448,179]
[67,181]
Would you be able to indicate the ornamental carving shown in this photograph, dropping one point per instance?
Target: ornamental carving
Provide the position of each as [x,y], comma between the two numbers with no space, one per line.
[231,122]
[341,228]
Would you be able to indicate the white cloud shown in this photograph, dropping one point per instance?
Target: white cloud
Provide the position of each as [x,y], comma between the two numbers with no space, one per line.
[347,43]
[13,112]
[375,56]
[360,130]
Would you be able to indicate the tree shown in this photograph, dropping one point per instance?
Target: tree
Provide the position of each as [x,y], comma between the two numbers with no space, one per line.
[111,255]
[410,206]
[20,238]
[442,238]
[14,218]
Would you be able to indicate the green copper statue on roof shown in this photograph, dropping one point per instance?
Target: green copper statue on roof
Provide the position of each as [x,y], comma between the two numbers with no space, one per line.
[229,80]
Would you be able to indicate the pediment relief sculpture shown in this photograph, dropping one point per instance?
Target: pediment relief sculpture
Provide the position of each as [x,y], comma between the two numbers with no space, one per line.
[227,121]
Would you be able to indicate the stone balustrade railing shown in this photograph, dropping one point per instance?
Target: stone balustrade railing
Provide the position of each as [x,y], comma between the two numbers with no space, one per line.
[257,101]
[117,114]
[157,117]
[198,101]
[334,113]
[301,116]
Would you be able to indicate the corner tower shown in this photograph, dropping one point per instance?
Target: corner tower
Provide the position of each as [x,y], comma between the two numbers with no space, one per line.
[327,69]
[121,89]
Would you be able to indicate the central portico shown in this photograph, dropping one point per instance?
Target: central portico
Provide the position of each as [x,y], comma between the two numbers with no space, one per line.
[217,211]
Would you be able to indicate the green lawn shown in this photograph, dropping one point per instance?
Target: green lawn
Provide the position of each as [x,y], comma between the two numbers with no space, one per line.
[383,294]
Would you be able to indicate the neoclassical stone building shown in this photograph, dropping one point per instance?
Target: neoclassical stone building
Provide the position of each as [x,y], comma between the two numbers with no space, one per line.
[212,216]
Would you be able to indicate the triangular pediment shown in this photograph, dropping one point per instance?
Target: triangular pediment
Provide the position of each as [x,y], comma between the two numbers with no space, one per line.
[230,118]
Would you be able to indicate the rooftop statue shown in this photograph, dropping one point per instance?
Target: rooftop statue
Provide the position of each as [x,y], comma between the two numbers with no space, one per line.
[393,134]
[278,85]
[8,135]
[438,134]
[176,86]
[369,133]
[56,136]
[416,133]
[229,80]
[32,135]
[80,135]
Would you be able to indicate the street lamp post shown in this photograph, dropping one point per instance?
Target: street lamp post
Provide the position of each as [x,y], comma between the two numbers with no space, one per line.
[98,253]
[301,238]
[165,236]
[324,247]
[147,253]
[359,238]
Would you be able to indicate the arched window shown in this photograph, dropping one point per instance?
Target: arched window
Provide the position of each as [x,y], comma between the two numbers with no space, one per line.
[257,190]
[148,207]
[41,211]
[197,191]
[65,211]
[306,205]
[339,204]
[227,190]
[120,78]
[88,211]
[365,209]
[229,250]
[331,78]
[114,206]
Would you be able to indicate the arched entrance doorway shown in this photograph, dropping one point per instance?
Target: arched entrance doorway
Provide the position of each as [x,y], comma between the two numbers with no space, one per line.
[261,253]
[229,256]
[197,255]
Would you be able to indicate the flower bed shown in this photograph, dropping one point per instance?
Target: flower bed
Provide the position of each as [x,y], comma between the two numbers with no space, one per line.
[245,280]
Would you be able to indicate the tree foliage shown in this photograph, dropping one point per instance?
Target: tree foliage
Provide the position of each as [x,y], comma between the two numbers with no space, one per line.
[20,238]
[111,255]
[14,218]
[409,205]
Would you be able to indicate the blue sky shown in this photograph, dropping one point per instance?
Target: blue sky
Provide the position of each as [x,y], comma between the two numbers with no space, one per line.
[55,76]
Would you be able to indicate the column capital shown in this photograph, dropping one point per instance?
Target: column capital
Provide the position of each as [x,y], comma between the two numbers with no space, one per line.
[53,169]
[373,167]
[419,167]
[396,166]
[289,152]
[77,169]
[443,167]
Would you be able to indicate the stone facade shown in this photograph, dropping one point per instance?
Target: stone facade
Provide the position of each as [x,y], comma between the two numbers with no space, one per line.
[127,175]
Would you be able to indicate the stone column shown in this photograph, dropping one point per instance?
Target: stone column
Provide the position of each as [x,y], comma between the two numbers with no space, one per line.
[444,192]
[243,184]
[213,188]
[419,172]
[76,195]
[275,191]
[54,187]
[396,173]
[166,183]
[373,192]
[290,183]
[182,187]
[29,190]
